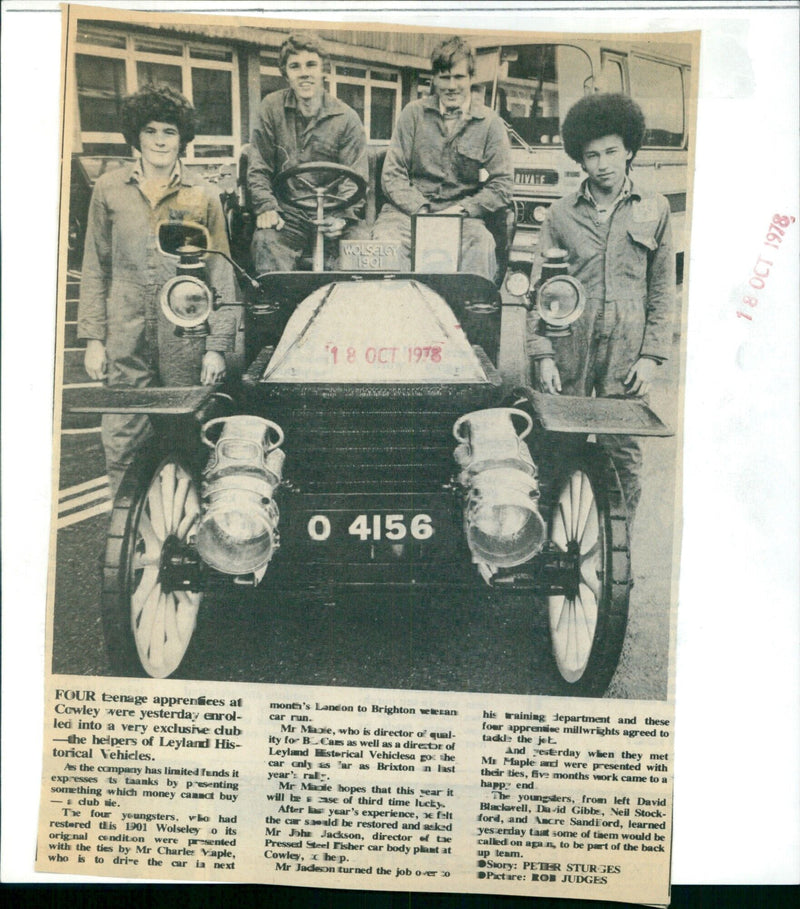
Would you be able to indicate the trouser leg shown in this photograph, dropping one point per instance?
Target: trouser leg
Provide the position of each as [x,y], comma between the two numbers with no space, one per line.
[394,226]
[275,250]
[626,454]
[618,348]
[478,255]
[122,435]
[132,349]
[575,354]
[180,358]
[477,244]
[160,358]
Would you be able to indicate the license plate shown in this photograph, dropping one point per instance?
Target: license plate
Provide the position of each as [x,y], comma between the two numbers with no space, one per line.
[370,527]
[535,177]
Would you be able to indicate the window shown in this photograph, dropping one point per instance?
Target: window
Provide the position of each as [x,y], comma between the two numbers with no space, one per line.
[374,94]
[271,77]
[159,74]
[382,112]
[101,87]
[355,96]
[99,37]
[536,85]
[612,72]
[109,65]
[658,88]
[211,90]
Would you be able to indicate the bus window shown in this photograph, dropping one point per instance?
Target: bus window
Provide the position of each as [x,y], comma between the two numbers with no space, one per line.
[536,85]
[612,72]
[485,72]
[658,87]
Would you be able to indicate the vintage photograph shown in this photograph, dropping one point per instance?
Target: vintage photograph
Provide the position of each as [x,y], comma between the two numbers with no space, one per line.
[372,355]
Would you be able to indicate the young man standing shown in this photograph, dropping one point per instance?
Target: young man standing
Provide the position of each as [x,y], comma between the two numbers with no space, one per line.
[620,248]
[296,125]
[129,341]
[449,154]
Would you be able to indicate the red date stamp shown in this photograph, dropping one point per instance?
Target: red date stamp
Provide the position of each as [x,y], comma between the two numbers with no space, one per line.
[384,356]
[761,270]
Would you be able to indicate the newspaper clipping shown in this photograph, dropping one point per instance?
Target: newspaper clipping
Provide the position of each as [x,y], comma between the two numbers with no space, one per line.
[368,434]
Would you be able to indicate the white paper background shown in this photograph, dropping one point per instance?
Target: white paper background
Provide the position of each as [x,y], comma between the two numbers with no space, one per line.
[737,798]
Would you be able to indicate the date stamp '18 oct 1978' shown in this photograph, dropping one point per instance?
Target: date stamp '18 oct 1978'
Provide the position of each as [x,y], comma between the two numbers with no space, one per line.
[761,270]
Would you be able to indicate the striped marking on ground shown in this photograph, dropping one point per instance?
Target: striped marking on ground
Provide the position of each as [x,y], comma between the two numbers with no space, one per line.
[79,516]
[82,501]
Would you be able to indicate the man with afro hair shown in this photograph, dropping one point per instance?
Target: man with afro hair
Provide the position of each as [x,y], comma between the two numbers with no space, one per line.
[619,247]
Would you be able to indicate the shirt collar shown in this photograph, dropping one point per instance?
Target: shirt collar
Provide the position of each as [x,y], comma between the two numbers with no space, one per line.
[463,109]
[329,106]
[627,190]
[175,177]
[472,110]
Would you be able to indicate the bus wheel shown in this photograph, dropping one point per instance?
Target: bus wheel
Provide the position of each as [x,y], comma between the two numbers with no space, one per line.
[151,593]
[589,615]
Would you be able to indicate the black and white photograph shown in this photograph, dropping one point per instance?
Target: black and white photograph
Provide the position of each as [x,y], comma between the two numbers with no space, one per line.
[405,446]
[371,356]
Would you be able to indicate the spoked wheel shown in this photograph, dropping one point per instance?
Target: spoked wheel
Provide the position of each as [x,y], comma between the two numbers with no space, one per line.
[589,614]
[151,593]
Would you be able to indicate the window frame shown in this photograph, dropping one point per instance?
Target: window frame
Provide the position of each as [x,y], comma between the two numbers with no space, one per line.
[333,78]
[682,76]
[371,79]
[131,56]
[620,59]
[266,68]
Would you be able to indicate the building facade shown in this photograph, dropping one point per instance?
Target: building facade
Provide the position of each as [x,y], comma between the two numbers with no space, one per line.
[225,71]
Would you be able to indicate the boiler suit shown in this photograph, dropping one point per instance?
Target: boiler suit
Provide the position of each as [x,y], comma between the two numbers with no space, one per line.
[429,169]
[282,140]
[627,267]
[121,282]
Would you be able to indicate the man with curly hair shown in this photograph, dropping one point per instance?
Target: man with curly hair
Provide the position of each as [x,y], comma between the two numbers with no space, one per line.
[129,341]
[619,247]
[296,125]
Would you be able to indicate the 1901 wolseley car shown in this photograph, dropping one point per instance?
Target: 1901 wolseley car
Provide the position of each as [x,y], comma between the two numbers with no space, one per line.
[372,440]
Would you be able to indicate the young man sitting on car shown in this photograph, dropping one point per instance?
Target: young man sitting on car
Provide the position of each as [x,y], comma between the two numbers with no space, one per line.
[450,155]
[296,125]
[620,248]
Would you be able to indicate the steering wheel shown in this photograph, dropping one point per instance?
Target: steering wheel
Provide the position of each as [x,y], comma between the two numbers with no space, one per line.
[296,186]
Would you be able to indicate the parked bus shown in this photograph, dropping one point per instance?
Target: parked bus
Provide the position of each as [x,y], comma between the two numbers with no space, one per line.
[532,86]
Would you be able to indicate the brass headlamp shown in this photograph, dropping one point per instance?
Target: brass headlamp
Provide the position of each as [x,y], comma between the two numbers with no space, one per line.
[501,515]
[559,299]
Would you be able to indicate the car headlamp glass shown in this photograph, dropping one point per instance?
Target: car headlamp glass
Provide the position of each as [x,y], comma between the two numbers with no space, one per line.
[504,527]
[236,534]
[517,283]
[186,301]
[240,525]
[539,213]
[501,522]
[560,301]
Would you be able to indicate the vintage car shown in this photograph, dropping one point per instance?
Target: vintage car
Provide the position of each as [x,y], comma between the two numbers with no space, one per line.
[378,436]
